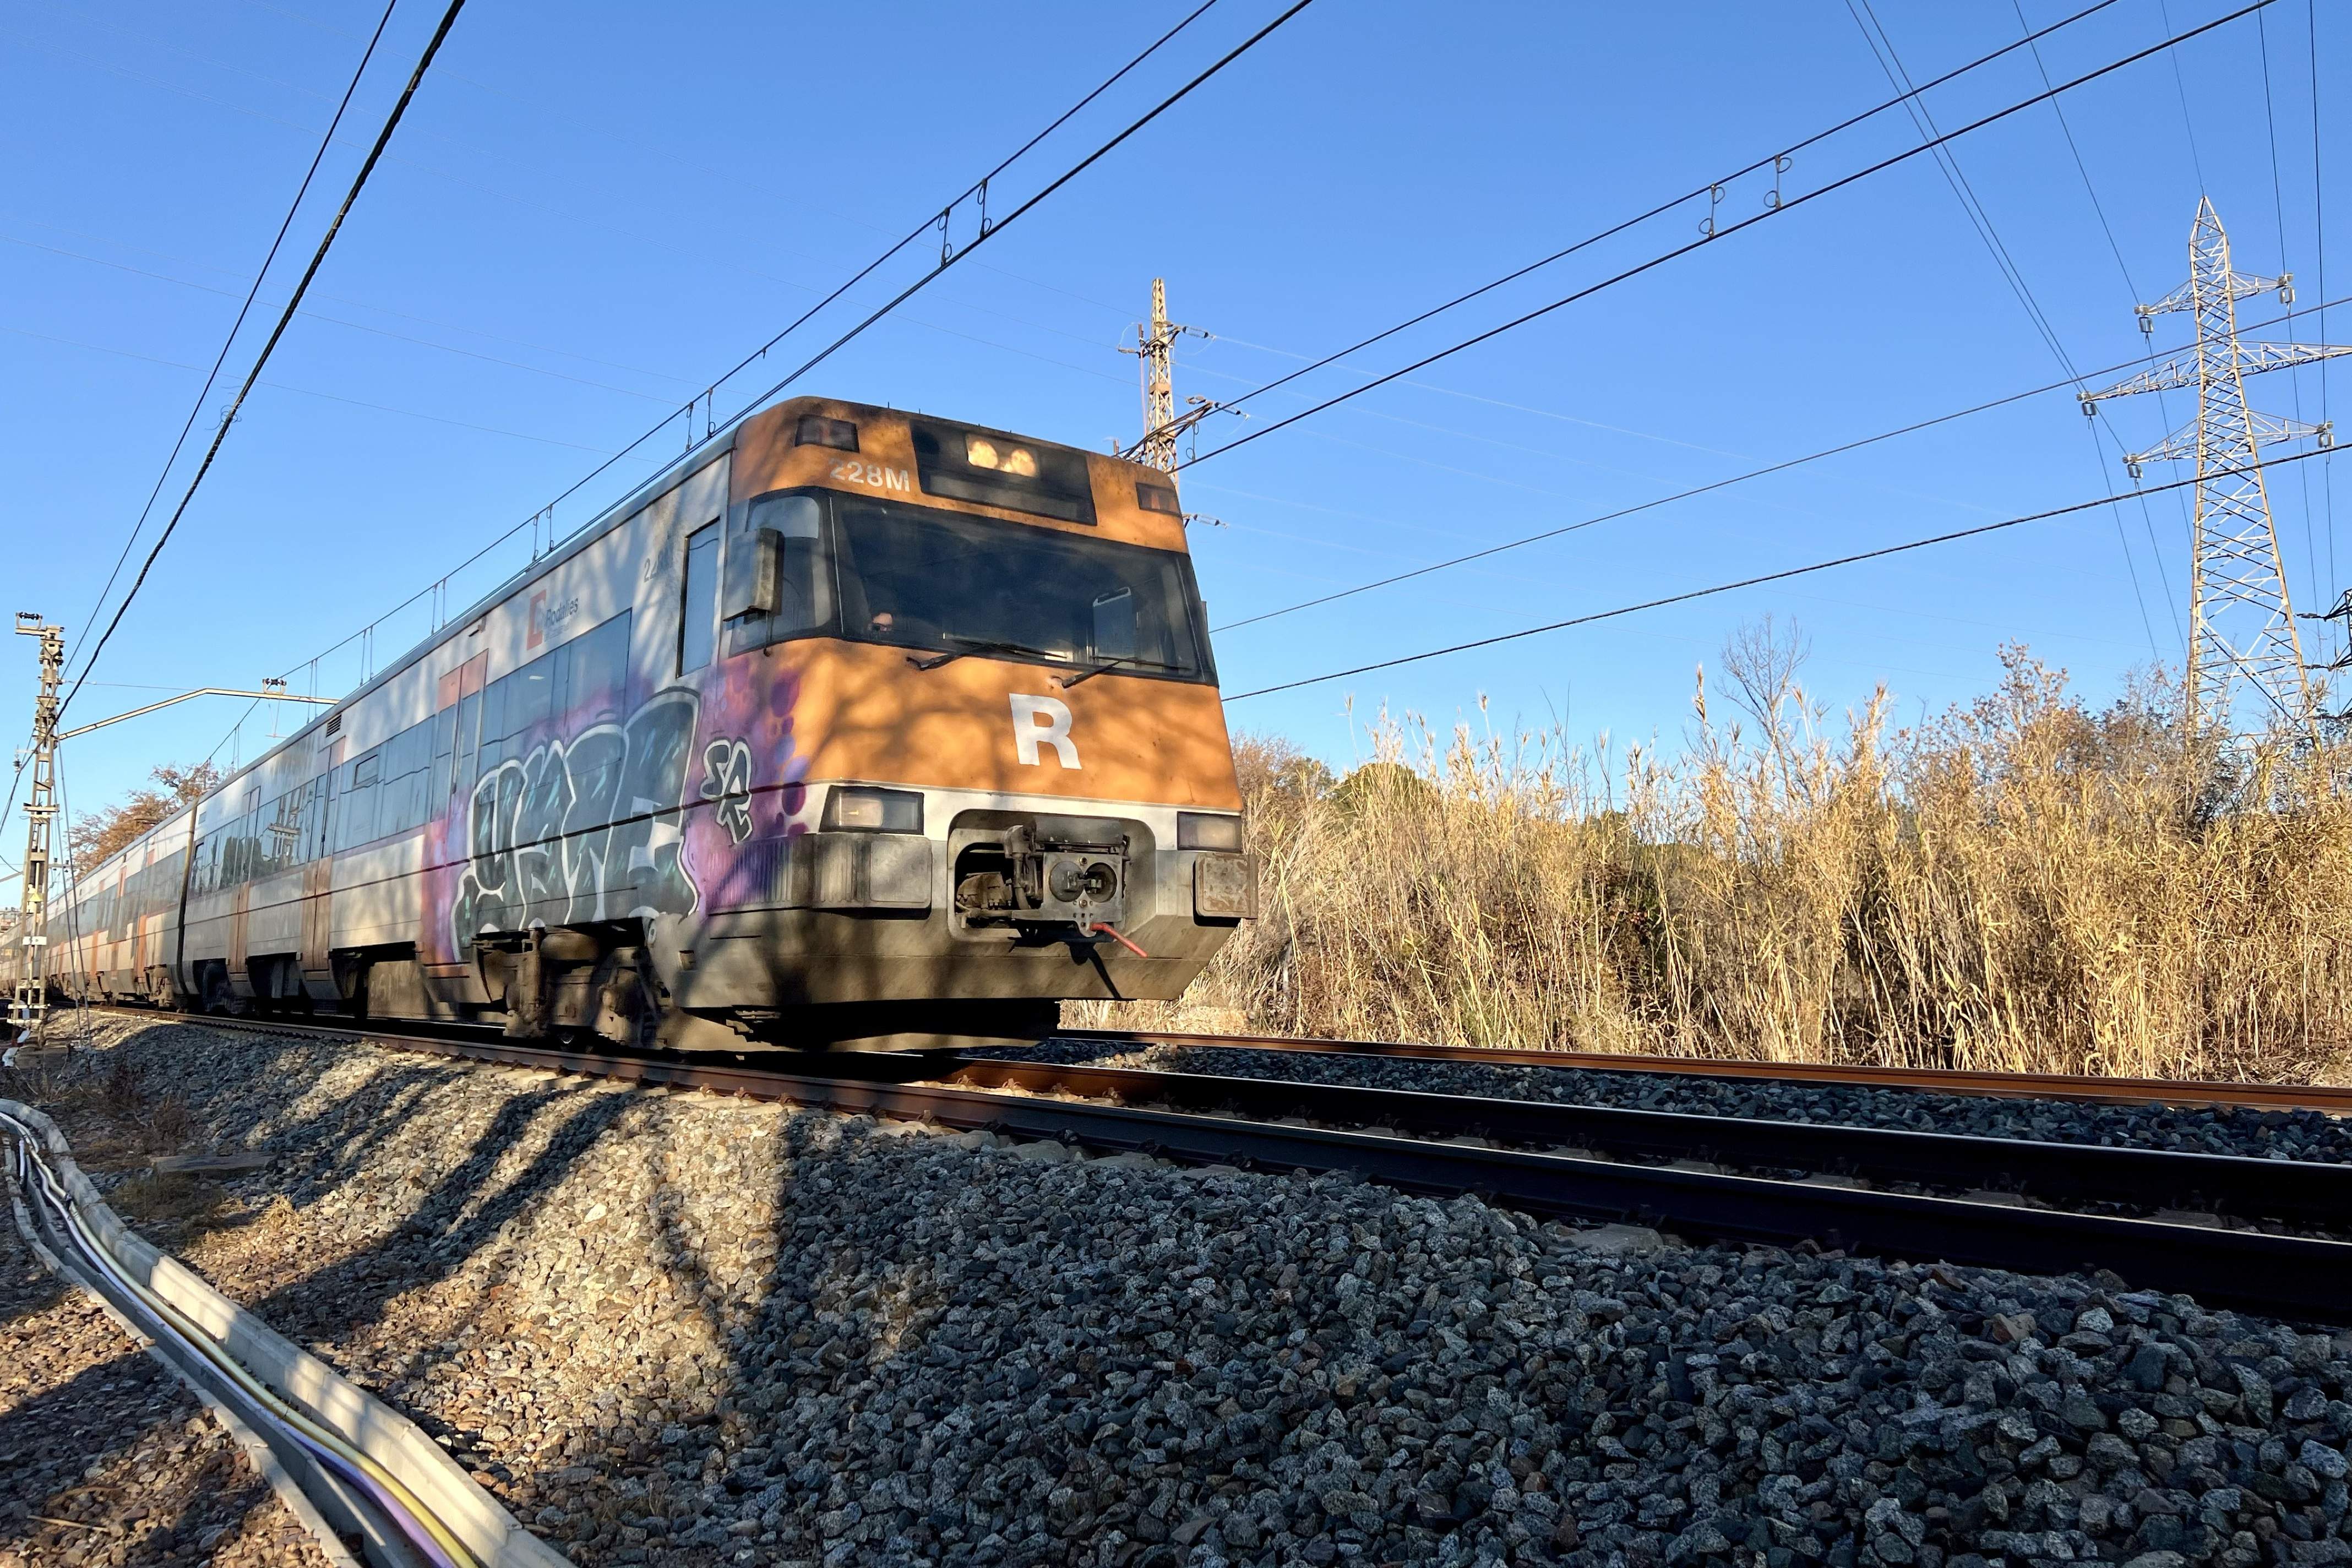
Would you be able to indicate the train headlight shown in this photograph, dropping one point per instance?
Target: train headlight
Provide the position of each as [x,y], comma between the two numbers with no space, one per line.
[817,430]
[982,453]
[860,808]
[1201,830]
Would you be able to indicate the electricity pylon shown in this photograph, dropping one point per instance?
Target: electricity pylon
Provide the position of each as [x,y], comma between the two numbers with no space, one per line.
[1155,346]
[30,1002]
[2242,626]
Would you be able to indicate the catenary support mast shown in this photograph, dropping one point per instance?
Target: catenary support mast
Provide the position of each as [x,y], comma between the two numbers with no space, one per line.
[2241,624]
[29,1004]
[1155,347]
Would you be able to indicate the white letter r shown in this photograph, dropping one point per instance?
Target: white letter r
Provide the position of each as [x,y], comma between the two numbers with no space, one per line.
[1045,719]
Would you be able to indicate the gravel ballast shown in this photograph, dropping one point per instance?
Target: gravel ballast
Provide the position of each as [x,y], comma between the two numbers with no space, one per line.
[675,1330]
[2200,1130]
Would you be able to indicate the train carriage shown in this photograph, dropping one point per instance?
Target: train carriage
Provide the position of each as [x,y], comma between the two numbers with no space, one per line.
[855,728]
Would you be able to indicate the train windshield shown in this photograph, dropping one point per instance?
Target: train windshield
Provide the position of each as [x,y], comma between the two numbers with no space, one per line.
[959,586]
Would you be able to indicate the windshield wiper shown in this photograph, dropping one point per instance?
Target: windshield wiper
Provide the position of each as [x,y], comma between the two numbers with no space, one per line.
[981,645]
[1109,664]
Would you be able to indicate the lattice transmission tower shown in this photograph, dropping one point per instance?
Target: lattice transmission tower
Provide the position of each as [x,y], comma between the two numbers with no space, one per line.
[2241,624]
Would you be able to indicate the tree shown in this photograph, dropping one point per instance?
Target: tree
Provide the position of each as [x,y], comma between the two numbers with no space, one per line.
[98,835]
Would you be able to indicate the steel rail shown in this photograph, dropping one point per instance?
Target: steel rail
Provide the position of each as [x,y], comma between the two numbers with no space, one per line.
[2303,1192]
[2334,1100]
[2291,1277]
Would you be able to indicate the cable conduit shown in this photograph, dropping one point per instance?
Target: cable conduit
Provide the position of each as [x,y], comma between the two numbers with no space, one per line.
[424,1509]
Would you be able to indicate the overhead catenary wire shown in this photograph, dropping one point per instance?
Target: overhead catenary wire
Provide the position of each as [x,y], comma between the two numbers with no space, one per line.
[1783,466]
[1786,204]
[1642,217]
[229,342]
[992,228]
[285,318]
[939,220]
[1758,581]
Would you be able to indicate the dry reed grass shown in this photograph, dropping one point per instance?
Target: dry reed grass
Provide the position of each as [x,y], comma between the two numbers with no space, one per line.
[2025,883]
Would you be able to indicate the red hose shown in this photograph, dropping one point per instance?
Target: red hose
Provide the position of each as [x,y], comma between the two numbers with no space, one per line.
[1113,933]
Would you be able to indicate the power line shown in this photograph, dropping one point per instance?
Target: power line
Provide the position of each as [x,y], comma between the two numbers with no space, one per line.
[285,318]
[1781,575]
[1874,34]
[1783,466]
[229,342]
[949,257]
[1784,206]
[340,321]
[1712,186]
[2181,83]
[308,392]
[2319,244]
[978,188]
[2123,269]
[987,231]
[2278,219]
[1972,207]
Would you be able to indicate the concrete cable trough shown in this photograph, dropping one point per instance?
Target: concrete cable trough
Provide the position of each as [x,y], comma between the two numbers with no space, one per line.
[352,1464]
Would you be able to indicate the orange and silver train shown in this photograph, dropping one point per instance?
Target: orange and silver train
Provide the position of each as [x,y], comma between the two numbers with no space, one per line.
[855,728]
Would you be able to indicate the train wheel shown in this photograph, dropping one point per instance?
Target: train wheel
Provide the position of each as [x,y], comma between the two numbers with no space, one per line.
[217,1000]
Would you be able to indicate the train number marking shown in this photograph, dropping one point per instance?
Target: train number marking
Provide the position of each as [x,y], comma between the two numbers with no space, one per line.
[1043,721]
[857,471]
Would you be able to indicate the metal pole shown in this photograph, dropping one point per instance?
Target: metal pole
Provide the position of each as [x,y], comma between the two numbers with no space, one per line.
[28,1007]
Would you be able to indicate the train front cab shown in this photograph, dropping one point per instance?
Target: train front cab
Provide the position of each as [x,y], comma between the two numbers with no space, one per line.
[1003,776]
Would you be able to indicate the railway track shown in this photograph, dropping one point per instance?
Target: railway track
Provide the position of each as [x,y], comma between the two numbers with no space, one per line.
[2333,1099]
[1798,1184]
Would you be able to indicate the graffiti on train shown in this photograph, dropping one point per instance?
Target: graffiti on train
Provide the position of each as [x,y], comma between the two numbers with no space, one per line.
[727,784]
[585,828]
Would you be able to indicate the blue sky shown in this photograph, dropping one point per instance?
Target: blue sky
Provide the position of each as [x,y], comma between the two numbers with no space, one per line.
[591,210]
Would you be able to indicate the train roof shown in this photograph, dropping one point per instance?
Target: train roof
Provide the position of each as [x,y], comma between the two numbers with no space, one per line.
[612,516]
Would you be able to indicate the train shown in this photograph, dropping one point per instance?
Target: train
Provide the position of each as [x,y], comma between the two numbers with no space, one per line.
[853,729]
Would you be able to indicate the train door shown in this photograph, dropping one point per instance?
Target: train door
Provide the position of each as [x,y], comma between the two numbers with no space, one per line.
[248,827]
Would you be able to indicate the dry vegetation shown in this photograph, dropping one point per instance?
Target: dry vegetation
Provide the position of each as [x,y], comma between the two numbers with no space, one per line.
[97,835]
[2025,883]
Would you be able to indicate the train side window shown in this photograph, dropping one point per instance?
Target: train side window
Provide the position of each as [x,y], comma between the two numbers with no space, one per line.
[802,588]
[445,757]
[494,726]
[357,807]
[698,606]
[530,699]
[600,670]
[280,825]
[559,662]
[469,718]
[314,820]
[407,780]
